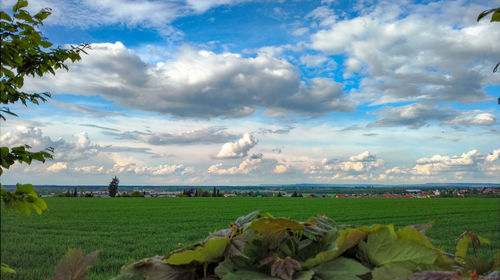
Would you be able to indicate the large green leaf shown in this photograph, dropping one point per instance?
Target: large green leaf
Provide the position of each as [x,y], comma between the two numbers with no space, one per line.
[214,248]
[382,247]
[346,239]
[275,225]
[412,234]
[391,272]
[341,269]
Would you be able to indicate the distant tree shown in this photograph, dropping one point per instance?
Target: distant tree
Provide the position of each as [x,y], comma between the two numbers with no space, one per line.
[279,194]
[214,192]
[113,187]
[75,192]
[137,194]
[218,193]
[294,194]
[67,194]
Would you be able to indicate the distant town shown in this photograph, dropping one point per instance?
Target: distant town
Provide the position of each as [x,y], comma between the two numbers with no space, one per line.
[299,190]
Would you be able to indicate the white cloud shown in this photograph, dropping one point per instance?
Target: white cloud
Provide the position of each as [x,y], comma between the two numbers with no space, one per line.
[159,170]
[280,169]
[324,15]
[493,156]
[239,148]
[473,118]
[57,167]
[196,84]
[358,167]
[417,115]
[435,52]
[300,31]
[470,165]
[313,60]
[91,169]
[131,13]
[245,167]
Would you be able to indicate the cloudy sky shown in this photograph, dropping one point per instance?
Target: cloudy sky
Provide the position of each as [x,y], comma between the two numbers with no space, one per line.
[240,92]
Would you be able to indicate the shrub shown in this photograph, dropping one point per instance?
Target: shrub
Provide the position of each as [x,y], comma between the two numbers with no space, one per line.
[259,246]
[137,194]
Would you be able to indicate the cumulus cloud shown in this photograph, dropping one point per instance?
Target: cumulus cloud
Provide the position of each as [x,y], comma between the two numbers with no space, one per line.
[64,151]
[239,148]
[80,149]
[417,115]
[360,166]
[279,169]
[405,52]
[245,167]
[196,84]
[472,164]
[57,167]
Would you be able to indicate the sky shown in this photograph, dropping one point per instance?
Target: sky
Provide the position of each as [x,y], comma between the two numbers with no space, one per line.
[241,92]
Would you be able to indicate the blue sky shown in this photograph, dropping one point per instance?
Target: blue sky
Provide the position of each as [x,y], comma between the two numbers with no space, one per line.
[228,92]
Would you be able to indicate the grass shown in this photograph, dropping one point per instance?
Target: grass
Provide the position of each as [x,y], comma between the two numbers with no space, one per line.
[126,229]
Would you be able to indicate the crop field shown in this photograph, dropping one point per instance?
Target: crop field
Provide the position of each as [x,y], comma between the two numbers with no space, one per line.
[126,229]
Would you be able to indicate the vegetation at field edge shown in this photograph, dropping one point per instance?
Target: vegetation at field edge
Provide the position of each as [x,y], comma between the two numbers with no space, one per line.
[124,230]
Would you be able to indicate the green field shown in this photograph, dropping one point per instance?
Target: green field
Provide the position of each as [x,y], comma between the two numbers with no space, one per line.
[125,229]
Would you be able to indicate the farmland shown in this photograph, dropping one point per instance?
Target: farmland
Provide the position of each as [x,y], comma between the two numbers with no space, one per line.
[125,229]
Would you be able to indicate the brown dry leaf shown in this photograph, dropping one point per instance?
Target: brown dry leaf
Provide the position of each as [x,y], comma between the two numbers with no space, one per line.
[235,246]
[269,259]
[157,269]
[74,265]
[436,275]
[284,268]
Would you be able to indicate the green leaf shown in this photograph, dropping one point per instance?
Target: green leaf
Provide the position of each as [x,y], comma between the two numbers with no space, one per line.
[275,225]
[412,234]
[214,248]
[495,16]
[6,269]
[346,240]
[23,15]
[43,14]
[5,16]
[382,247]
[74,265]
[19,5]
[391,272]
[26,188]
[342,269]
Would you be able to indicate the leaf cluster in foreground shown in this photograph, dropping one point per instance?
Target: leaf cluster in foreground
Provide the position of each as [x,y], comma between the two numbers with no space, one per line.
[260,246]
